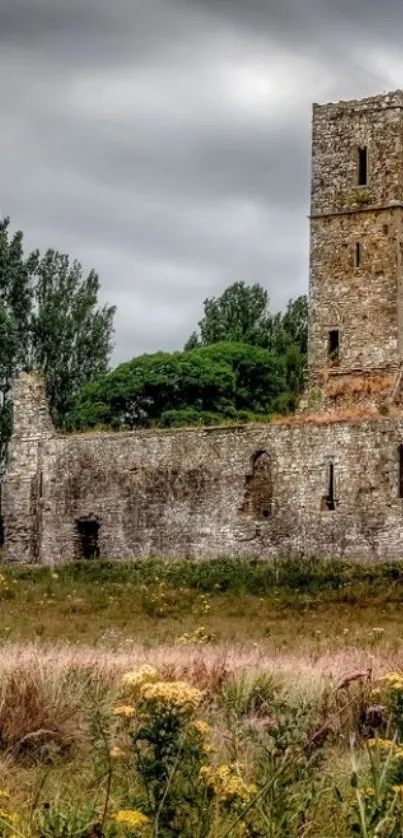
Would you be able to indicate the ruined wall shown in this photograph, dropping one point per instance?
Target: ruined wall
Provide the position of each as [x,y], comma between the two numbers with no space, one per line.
[315,486]
[22,489]
[251,491]
[363,301]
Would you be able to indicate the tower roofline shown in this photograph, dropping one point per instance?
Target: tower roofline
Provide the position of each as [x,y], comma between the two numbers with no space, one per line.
[382,101]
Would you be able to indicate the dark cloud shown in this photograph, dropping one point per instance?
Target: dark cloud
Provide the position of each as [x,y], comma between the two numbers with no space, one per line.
[166,142]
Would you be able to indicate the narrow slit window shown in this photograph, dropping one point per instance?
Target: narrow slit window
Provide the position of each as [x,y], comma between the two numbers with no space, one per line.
[357,254]
[330,498]
[363,166]
[400,471]
[333,345]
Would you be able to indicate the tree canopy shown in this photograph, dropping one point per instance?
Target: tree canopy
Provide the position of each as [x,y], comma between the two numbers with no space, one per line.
[50,321]
[241,363]
[200,386]
[242,313]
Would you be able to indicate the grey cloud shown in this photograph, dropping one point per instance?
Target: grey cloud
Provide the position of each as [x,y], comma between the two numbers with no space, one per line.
[166,142]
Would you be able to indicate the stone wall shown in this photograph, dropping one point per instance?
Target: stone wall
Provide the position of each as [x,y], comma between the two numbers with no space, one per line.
[312,486]
[254,491]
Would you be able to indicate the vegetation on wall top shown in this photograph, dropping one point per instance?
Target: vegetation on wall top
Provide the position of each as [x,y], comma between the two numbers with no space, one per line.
[243,363]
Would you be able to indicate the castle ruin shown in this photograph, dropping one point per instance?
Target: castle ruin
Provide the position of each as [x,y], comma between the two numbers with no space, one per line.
[327,482]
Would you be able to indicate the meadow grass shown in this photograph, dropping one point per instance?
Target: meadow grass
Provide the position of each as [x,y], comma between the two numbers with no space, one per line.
[285,606]
[271,647]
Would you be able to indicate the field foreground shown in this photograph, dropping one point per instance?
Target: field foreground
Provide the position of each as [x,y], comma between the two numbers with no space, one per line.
[208,700]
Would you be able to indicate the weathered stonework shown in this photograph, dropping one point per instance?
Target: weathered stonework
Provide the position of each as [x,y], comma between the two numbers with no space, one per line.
[315,485]
[251,491]
[356,277]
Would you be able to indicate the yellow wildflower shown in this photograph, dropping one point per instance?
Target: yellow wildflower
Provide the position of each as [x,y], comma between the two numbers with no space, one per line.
[368,792]
[397,789]
[173,696]
[382,744]
[11,817]
[116,752]
[392,679]
[132,682]
[201,727]
[132,818]
[225,783]
[125,710]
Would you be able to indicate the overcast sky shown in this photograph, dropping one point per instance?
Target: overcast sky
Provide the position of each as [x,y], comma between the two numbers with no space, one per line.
[166,142]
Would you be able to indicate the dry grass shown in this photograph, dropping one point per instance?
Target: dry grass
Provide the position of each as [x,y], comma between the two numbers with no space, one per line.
[359,385]
[49,693]
[307,633]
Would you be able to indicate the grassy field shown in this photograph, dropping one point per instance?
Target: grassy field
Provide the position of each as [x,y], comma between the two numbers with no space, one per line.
[289,607]
[285,661]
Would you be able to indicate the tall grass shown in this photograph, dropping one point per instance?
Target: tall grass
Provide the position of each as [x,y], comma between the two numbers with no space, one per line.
[222,575]
[283,723]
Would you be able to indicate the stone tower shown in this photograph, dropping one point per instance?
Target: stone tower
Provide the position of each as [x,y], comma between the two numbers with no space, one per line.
[355,347]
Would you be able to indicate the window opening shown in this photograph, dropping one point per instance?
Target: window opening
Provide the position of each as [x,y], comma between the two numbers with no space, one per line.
[330,499]
[357,255]
[87,532]
[333,346]
[400,471]
[258,495]
[363,166]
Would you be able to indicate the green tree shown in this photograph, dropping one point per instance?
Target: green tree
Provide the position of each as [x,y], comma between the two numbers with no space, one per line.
[240,315]
[70,332]
[202,386]
[50,321]
[291,328]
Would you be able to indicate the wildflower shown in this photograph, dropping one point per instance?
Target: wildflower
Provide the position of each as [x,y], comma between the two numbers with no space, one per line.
[174,696]
[11,817]
[226,784]
[125,710]
[116,752]
[397,789]
[374,715]
[378,630]
[382,744]
[132,818]
[368,792]
[55,575]
[392,679]
[201,727]
[132,682]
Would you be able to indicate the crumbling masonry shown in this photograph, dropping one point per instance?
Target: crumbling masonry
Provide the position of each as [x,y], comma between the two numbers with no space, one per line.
[326,483]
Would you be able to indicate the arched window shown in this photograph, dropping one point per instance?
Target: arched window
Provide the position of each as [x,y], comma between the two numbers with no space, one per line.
[258,496]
